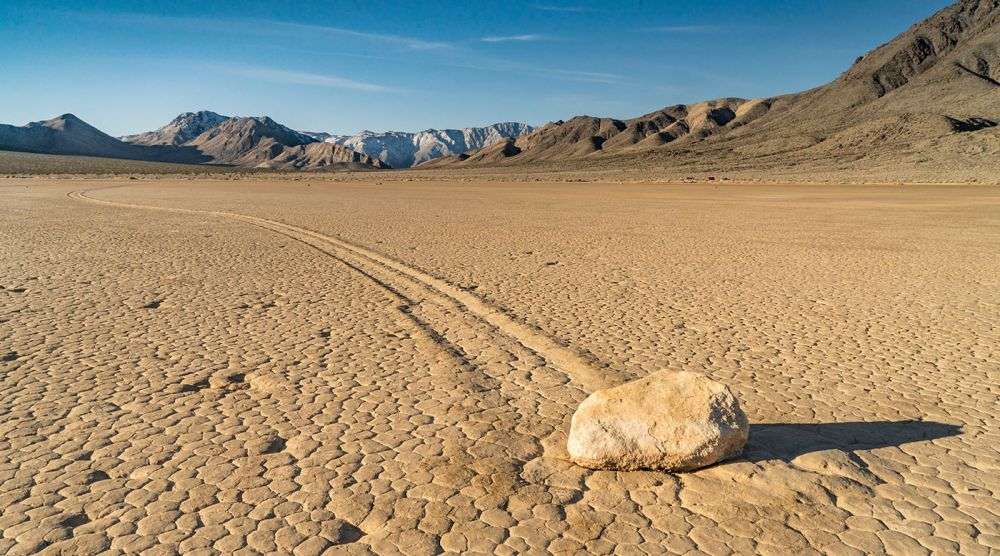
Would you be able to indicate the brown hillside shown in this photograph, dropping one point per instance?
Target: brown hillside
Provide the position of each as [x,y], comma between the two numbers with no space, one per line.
[934,88]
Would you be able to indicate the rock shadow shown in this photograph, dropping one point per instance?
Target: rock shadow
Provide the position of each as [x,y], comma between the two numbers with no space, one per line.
[348,533]
[786,441]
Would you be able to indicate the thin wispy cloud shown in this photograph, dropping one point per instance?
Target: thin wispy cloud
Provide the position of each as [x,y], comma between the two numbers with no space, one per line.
[516,38]
[444,53]
[408,42]
[684,29]
[509,66]
[566,9]
[301,78]
[258,27]
[587,76]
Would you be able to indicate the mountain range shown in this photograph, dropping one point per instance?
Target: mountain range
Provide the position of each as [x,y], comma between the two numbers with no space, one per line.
[191,138]
[584,135]
[393,149]
[930,96]
[400,149]
[253,142]
[928,91]
[69,135]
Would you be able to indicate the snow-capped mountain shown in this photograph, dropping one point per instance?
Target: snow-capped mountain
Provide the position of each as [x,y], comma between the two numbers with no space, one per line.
[180,130]
[400,149]
[317,135]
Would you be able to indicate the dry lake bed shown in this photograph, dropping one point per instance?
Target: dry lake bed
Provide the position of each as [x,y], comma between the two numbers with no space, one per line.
[306,366]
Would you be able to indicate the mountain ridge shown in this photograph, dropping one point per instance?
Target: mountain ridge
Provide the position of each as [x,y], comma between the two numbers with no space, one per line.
[248,142]
[401,149]
[395,149]
[939,78]
[69,135]
[178,131]
[260,142]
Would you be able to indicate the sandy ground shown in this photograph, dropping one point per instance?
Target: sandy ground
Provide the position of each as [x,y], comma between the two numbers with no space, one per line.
[303,366]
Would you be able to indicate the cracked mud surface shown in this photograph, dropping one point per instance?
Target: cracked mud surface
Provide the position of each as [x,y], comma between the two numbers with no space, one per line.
[355,369]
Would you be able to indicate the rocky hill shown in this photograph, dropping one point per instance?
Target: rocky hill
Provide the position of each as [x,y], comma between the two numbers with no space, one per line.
[69,135]
[180,130]
[250,141]
[323,156]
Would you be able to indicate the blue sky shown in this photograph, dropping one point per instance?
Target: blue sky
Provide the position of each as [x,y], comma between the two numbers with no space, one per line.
[342,66]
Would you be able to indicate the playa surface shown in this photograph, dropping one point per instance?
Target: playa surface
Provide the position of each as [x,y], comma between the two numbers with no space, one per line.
[281,365]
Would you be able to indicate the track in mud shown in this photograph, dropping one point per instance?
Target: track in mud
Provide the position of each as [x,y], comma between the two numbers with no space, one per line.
[398,278]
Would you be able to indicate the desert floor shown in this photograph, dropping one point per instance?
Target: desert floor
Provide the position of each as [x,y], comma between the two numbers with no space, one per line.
[300,366]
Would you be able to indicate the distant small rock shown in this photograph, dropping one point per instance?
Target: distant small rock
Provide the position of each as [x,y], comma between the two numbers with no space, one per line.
[835,463]
[268,443]
[669,421]
[269,383]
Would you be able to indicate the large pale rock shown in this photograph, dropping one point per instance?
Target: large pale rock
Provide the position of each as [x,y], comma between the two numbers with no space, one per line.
[671,421]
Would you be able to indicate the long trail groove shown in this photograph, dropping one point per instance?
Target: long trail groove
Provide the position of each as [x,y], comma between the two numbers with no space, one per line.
[395,276]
